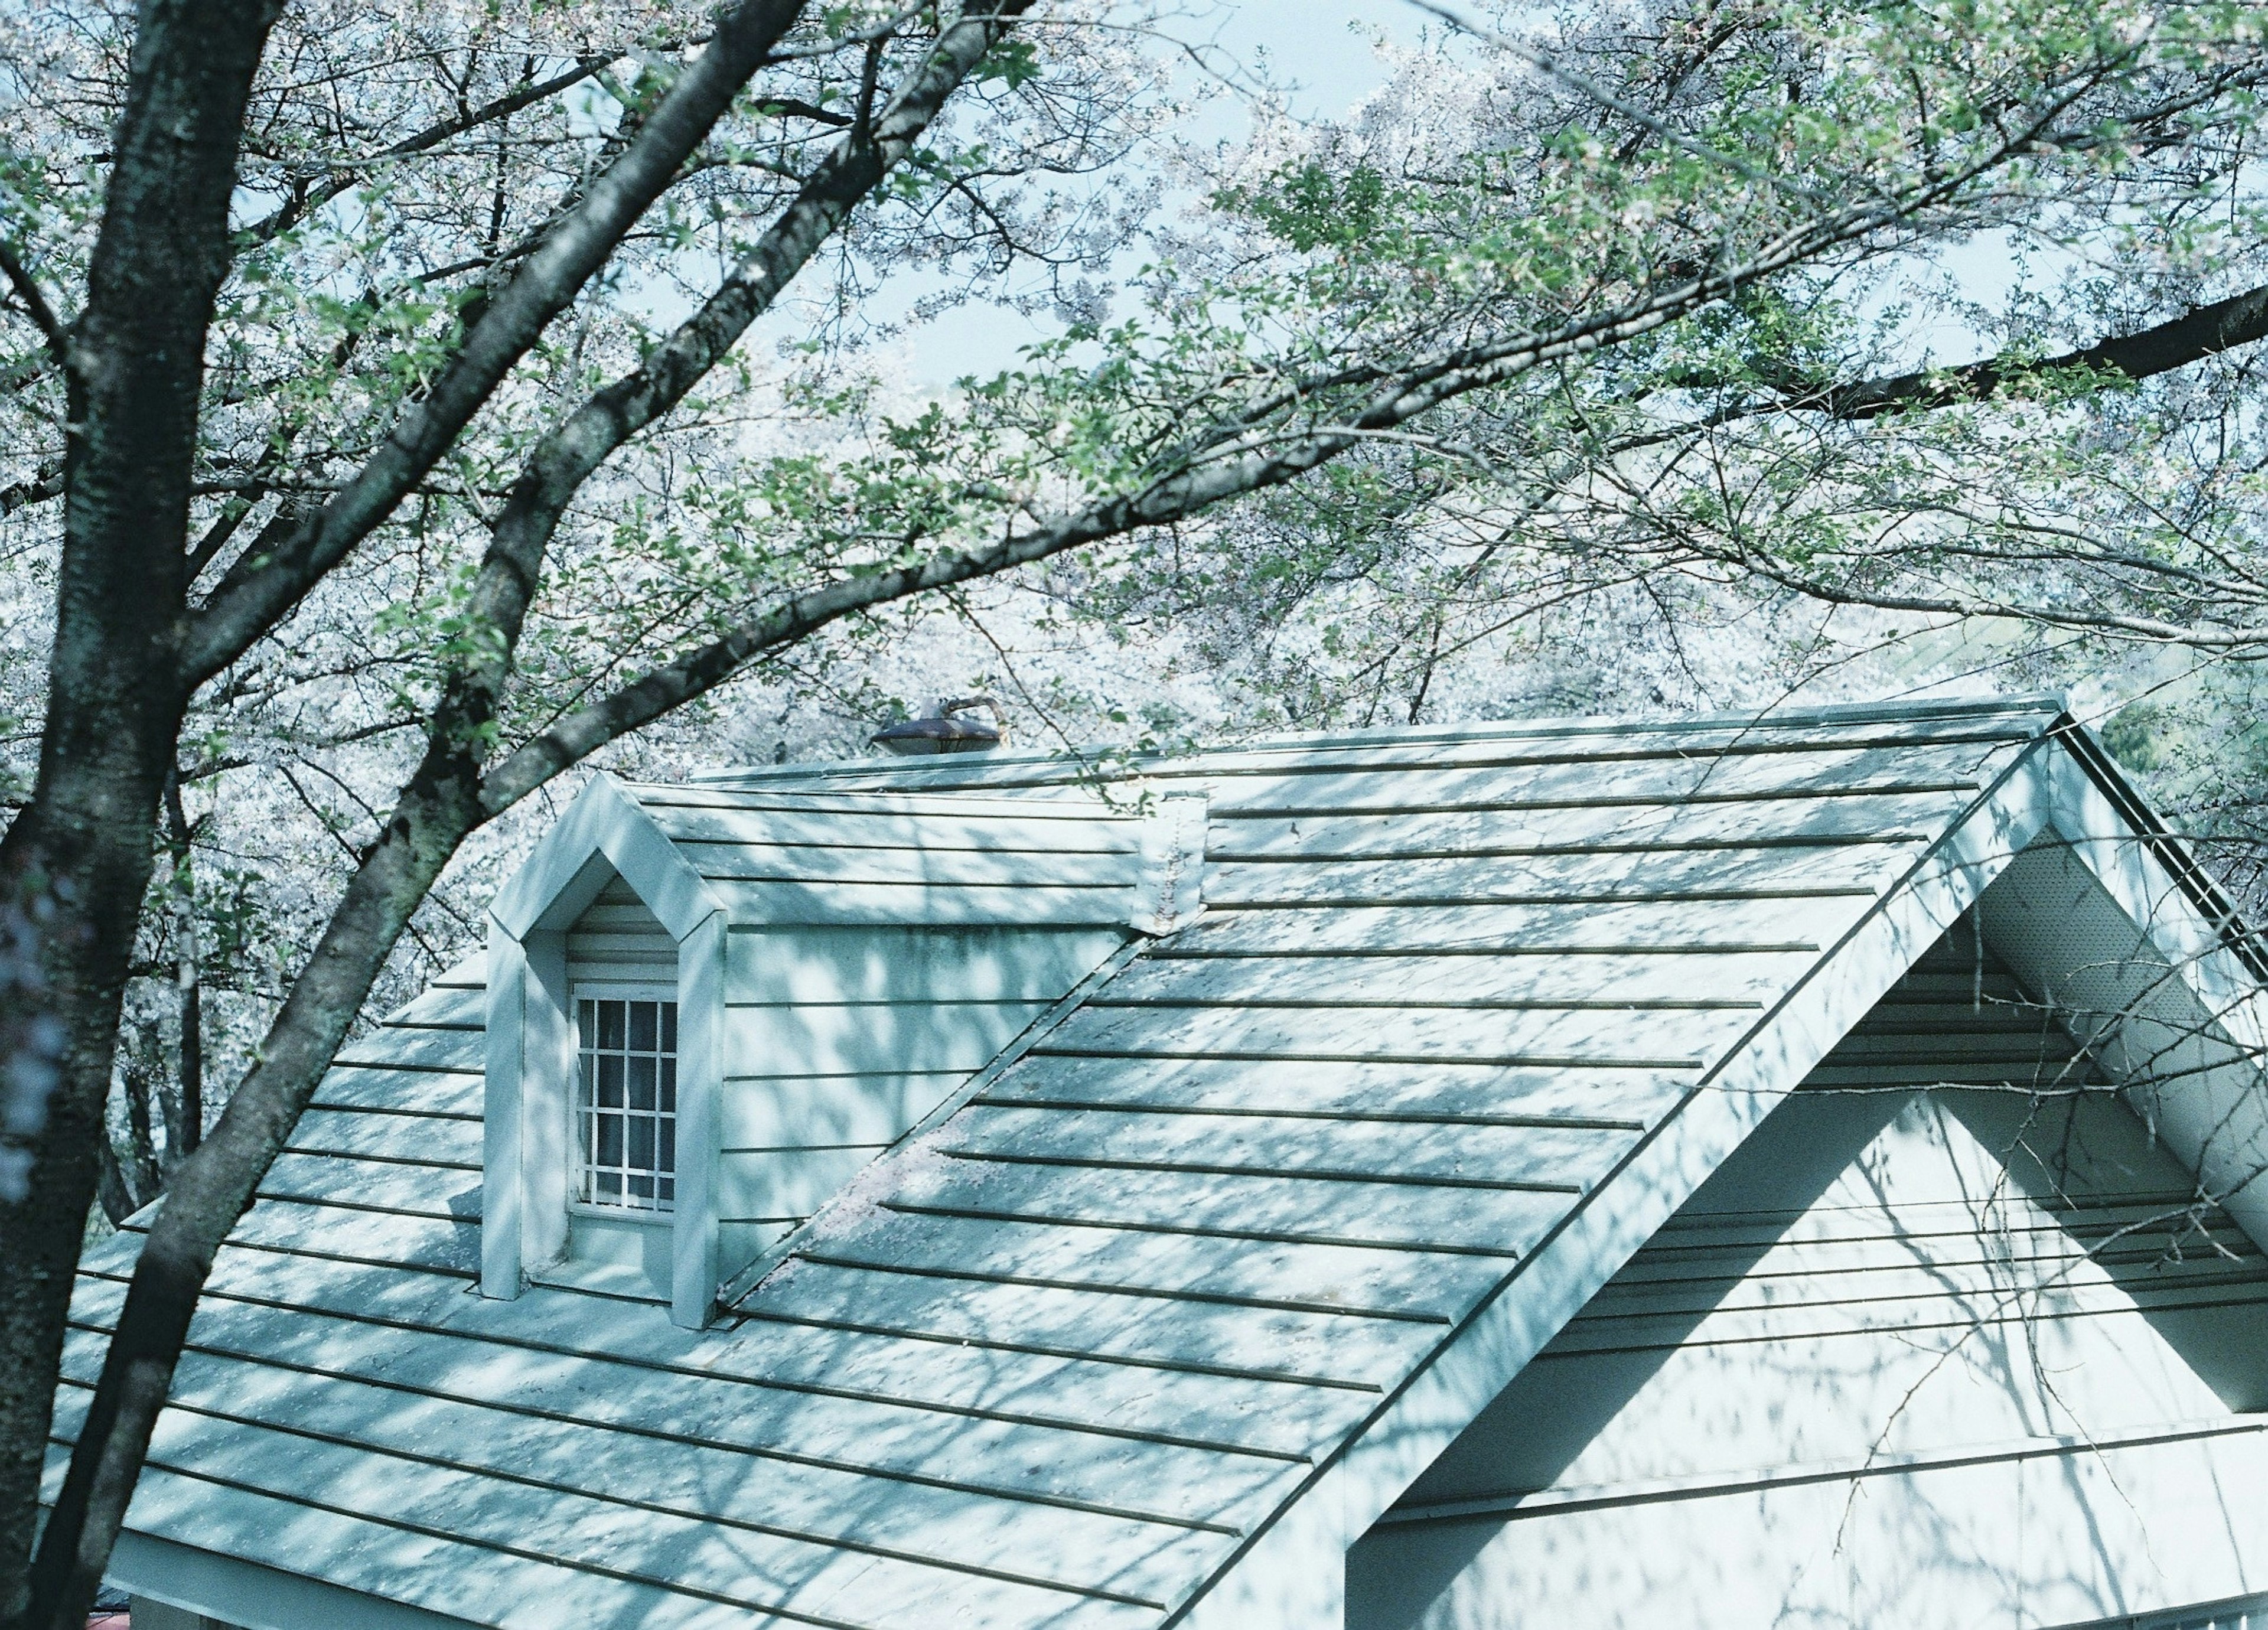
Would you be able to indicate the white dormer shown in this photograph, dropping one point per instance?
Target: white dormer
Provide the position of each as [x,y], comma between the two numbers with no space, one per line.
[708,1009]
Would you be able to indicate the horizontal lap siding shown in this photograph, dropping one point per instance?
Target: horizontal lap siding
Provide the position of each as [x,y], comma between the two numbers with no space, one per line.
[617,938]
[1696,745]
[1567,1038]
[1827,773]
[387,1091]
[418,1191]
[560,1356]
[722,860]
[1074,1346]
[2057,1532]
[302,1228]
[831,827]
[1558,1159]
[1492,1222]
[1580,928]
[1634,980]
[818,1456]
[1765,871]
[1245,1159]
[452,1048]
[735,1562]
[780,967]
[1882,1273]
[815,1039]
[1042,864]
[388,1552]
[1859,820]
[506,1473]
[1240,1342]
[1444,1092]
[838,1041]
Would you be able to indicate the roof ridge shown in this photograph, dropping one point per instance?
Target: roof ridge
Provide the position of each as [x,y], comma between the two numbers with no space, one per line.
[769,776]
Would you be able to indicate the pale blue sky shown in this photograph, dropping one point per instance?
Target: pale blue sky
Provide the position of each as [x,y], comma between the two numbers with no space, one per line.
[1320,46]
[1324,48]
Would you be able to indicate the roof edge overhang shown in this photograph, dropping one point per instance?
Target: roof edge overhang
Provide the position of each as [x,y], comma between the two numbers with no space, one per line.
[560,879]
[2061,793]
[234,1591]
[2113,921]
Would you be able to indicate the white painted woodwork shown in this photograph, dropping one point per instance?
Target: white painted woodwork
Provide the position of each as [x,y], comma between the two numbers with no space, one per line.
[1964,1356]
[1139,1326]
[836,979]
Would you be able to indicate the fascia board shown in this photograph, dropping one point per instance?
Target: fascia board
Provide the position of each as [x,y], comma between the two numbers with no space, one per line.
[2149,893]
[503,1191]
[2192,1001]
[1427,1412]
[257,1598]
[604,822]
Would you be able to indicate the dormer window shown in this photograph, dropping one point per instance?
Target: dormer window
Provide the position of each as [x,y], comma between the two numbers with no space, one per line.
[626,1101]
[707,1012]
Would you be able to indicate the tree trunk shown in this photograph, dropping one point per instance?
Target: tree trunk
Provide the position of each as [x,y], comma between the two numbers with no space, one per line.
[209,1190]
[442,803]
[81,854]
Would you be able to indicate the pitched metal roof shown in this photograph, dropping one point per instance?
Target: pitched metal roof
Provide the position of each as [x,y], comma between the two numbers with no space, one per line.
[1068,1351]
[1058,856]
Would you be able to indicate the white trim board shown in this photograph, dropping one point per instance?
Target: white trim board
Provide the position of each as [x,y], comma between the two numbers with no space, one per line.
[252,1595]
[603,833]
[531,1044]
[2047,807]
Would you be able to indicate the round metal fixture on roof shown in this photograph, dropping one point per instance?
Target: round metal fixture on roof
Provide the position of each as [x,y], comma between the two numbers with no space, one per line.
[946,730]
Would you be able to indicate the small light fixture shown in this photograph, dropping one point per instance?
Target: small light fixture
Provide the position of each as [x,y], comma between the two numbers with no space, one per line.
[946,728]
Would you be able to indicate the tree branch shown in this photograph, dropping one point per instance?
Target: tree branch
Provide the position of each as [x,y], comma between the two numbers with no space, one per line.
[438,809]
[2195,335]
[1247,460]
[43,485]
[35,305]
[263,585]
[567,458]
[343,176]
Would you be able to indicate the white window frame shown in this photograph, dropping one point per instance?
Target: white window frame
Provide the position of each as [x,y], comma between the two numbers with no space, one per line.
[531,1048]
[615,990]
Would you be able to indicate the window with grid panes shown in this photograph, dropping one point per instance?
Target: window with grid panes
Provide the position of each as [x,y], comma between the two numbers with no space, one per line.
[625,1103]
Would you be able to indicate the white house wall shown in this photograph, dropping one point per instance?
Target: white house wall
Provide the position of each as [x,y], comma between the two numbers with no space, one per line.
[1962,1357]
[2036,1541]
[840,1040]
[1101,1345]
[842,967]
[1870,945]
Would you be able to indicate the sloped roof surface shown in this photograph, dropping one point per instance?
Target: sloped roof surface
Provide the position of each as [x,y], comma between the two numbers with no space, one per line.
[787,855]
[1055,1359]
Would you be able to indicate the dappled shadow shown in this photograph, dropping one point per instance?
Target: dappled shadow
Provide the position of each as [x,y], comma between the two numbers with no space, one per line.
[1908,1355]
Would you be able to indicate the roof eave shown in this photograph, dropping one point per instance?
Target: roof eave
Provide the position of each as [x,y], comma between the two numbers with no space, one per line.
[2062,788]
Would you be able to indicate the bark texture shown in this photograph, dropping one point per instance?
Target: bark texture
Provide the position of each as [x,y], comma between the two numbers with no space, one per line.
[441,805]
[82,852]
[2195,335]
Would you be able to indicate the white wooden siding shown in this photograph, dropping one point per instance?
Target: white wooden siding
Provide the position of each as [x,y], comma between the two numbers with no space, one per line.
[839,1040]
[1074,1354]
[1911,1355]
[616,939]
